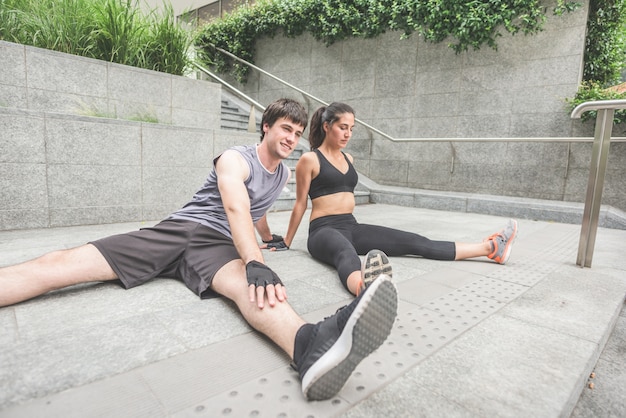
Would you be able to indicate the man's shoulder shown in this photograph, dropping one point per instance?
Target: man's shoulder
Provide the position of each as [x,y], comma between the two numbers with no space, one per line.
[242,151]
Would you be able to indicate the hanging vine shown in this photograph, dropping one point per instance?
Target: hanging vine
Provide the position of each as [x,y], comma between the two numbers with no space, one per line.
[465,24]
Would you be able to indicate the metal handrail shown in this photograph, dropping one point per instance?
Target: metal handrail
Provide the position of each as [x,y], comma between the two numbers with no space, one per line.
[304,93]
[597,105]
[237,92]
[599,157]
[230,87]
[379,132]
[555,139]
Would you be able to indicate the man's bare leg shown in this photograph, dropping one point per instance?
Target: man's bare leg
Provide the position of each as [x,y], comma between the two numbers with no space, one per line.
[279,322]
[326,353]
[53,271]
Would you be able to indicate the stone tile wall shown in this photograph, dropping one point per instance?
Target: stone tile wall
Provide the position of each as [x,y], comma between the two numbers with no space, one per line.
[411,89]
[59,167]
[39,79]
[60,170]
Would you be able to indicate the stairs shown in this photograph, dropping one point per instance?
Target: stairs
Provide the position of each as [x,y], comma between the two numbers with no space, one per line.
[234,116]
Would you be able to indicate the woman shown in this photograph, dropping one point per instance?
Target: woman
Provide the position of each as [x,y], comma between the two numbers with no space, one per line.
[327,176]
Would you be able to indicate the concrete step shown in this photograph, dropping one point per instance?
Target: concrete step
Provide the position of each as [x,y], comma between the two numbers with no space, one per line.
[234,116]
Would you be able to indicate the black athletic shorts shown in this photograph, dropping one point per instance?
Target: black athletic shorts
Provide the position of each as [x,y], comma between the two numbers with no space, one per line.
[179,249]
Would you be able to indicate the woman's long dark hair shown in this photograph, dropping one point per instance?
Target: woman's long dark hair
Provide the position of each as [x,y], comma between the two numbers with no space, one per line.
[325,114]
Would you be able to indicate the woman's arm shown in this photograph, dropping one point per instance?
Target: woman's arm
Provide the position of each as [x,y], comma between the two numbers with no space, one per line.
[306,169]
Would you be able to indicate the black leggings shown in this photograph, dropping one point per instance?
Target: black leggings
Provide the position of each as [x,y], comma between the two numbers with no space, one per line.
[338,240]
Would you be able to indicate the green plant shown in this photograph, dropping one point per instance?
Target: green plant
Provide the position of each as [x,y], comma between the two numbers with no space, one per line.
[166,46]
[605,42]
[58,25]
[590,91]
[605,56]
[119,32]
[466,24]
[111,30]
[85,109]
[145,116]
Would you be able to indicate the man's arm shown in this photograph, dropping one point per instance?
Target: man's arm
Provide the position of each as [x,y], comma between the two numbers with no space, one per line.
[271,241]
[232,171]
[264,231]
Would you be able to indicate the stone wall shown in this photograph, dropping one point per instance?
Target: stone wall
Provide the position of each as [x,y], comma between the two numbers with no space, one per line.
[60,170]
[59,167]
[409,89]
[39,79]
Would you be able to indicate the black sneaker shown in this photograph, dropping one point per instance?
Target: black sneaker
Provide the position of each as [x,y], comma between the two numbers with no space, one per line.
[339,343]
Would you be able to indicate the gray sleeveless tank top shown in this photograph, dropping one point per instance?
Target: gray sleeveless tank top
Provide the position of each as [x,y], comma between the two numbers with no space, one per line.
[206,206]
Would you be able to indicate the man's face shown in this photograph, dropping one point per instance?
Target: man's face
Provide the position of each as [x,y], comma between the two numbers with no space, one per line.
[282,137]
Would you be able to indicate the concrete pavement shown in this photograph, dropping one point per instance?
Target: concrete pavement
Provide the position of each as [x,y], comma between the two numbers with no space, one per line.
[472,338]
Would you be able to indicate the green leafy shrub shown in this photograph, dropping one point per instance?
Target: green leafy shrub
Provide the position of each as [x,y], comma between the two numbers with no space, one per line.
[590,91]
[605,42]
[466,24]
[111,30]
[604,56]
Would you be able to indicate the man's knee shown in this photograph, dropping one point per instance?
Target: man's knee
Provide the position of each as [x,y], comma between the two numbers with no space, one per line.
[59,257]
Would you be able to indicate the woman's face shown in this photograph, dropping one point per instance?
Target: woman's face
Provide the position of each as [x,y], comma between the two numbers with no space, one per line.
[339,133]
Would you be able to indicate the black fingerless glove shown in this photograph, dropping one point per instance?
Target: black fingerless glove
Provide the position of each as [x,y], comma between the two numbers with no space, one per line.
[258,274]
[275,238]
[278,246]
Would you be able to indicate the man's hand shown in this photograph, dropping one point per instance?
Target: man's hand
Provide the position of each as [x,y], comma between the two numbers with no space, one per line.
[277,246]
[275,238]
[277,243]
[261,280]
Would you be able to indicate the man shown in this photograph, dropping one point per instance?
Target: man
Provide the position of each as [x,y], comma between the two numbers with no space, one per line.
[210,245]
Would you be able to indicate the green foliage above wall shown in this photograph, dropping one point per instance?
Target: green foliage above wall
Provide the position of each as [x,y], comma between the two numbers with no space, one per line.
[465,24]
[605,56]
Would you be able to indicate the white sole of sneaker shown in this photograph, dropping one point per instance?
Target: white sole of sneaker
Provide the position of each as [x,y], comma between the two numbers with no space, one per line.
[509,244]
[373,265]
[367,328]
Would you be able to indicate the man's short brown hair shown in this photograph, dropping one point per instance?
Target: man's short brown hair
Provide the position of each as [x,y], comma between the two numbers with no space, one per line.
[284,108]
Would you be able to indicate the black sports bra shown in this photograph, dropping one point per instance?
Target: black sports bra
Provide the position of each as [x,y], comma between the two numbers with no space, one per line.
[330,180]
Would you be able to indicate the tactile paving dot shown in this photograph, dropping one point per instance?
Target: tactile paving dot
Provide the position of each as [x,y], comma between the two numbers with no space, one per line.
[276,394]
[388,362]
[500,290]
[463,305]
[523,276]
[424,331]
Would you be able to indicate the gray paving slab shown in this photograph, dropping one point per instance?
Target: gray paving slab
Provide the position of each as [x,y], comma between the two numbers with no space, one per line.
[604,391]
[472,338]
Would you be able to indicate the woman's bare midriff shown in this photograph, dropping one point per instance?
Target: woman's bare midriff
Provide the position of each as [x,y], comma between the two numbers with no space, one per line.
[332,204]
